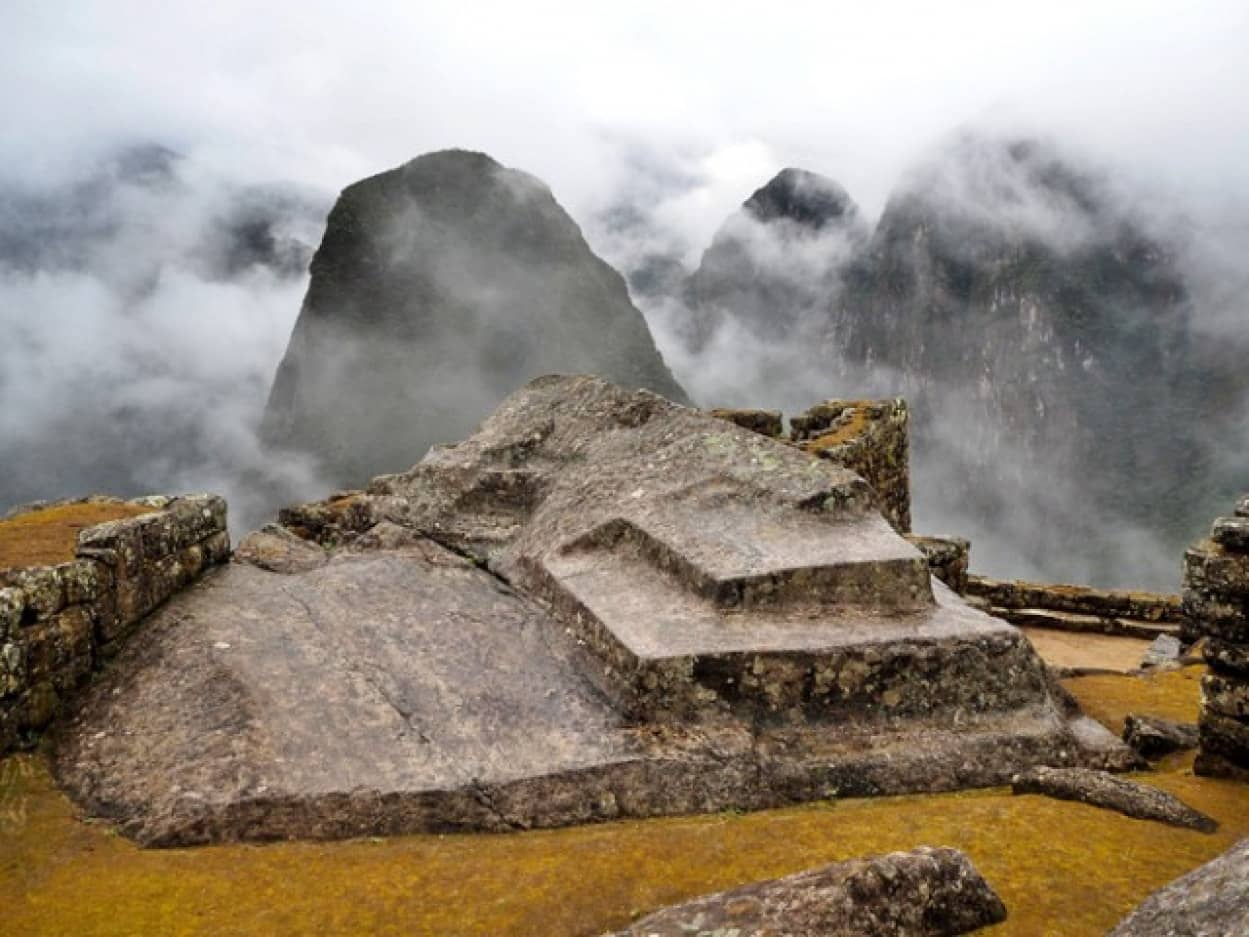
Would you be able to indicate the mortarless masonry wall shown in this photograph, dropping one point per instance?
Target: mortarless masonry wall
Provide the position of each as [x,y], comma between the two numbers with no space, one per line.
[57,623]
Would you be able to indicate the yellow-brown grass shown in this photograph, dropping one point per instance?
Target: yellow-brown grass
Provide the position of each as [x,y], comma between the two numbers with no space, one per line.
[48,536]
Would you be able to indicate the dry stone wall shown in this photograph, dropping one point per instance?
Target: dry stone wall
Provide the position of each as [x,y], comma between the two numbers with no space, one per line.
[58,622]
[1216,597]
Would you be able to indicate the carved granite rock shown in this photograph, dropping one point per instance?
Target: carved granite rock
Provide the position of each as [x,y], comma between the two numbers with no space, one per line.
[1212,901]
[600,605]
[926,892]
[1100,789]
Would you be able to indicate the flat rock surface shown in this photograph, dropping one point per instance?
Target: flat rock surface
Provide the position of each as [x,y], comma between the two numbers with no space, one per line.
[922,893]
[587,610]
[1101,789]
[1212,901]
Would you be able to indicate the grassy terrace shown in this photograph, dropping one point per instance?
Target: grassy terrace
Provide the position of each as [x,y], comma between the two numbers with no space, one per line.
[48,536]
[1062,868]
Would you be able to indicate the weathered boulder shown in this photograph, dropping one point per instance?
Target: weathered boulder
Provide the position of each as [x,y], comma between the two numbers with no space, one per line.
[602,604]
[926,892]
[1212,901]
[439,287]
[1152,737]
[1100,789]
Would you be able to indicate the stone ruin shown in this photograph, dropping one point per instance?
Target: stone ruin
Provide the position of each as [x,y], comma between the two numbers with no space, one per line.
[600,605]
[58,621]
[1216,597]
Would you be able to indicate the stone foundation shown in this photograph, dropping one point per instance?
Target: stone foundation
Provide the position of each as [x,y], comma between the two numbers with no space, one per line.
[1216,598]
[58,622]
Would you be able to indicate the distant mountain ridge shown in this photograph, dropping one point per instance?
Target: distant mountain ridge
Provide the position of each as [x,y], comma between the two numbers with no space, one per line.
[1043,336]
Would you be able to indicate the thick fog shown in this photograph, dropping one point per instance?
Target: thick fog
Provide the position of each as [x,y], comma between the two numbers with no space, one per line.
[166,169]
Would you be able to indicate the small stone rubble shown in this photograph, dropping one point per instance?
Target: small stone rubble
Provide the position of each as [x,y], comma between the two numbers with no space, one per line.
[926,892]
[1212,901]
[1100,789]
[58,622]
[1216,597]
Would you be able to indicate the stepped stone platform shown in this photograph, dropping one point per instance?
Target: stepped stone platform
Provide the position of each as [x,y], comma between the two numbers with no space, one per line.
[600,605]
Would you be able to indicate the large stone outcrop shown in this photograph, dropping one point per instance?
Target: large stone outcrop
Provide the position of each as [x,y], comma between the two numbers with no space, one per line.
[923,893]
[1212,901]
[602,604]
[438,288]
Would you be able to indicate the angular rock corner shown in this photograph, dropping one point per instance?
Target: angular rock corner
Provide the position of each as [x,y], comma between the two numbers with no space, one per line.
[60,621]
[600,605]
[1211,901]
[924,891]
[1216,599]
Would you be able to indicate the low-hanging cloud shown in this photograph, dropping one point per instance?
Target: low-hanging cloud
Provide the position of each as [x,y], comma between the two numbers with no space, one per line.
[651,123]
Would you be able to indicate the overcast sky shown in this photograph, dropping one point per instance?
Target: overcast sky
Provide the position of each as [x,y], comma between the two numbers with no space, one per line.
[324,93]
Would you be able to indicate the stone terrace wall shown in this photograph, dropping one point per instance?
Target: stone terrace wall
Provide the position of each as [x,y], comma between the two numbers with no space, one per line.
[58,622]
[1216,597]
[869,437]
[1144,614]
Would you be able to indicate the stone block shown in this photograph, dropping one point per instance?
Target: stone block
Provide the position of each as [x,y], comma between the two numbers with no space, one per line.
[85,580]
[12,669]
[764,422]
[1225,657]
[1213,571]
[1225,696]
[869,437]
[947,558]
[44,590]
[1231,533]
[1242,507]
[60,649]
[1224,736]
[12,606]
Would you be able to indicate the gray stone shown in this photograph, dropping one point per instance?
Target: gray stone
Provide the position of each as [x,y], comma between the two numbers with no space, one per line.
[921,893]
[602,604]
[1212,901]
[765,422]
[1100,789]
[1225,695]
[1225,736]
[1232,533]
[12,605]
[1225,657]
[1152,737]
[277,549]
[1164,651]
[1242,507]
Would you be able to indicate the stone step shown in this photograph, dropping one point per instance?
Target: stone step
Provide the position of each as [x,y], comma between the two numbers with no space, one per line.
[738,558]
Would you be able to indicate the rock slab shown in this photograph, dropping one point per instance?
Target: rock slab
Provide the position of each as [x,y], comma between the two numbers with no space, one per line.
[601,605]
[1212,901]
[922,893]
[1152,737]
[1100,789]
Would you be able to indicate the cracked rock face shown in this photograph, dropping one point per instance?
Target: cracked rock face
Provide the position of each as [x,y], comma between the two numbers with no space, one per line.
[600,605]
[922,893]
